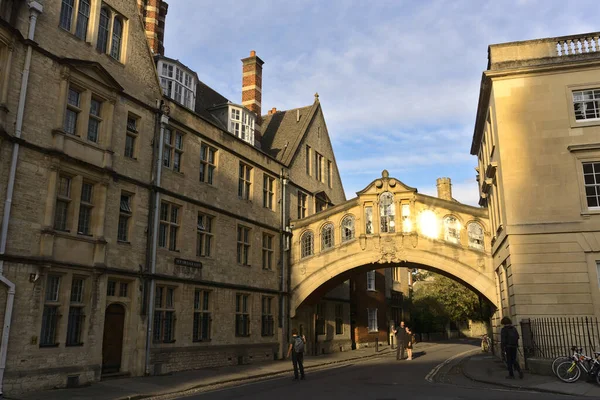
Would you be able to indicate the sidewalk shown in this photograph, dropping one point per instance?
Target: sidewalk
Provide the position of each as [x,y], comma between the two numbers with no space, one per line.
[143,387]
[487,368]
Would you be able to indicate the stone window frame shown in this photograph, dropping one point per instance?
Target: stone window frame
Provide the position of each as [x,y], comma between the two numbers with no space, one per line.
[327,238]
[208,166]
[267,251]
[165,317]
[348,233]
[204,234]
[470,237]
[583,154]
[245,178]
[131,133]
[244,239]
[308,161]
[372,321]
[267,319]
[302,204]
[569,90]
[76,317]
[125,216]
[77,21]
[171,226]
[75,203]
[173,144]
[268,191]
[387,212]
[447,229]
[202,323]
[371,283]
[242,314]
[117,288]
[88,92]
[51,316]
[307,244]
[107,45]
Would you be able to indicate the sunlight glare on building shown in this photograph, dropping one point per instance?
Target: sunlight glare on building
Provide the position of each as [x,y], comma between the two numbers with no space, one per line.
[428,224]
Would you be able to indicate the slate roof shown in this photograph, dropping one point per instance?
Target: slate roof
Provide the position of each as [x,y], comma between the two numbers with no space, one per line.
[283,131]
[207,98]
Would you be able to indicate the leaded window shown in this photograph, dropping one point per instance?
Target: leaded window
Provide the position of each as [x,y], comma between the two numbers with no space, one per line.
[451,230]
[169,226]
[124,217]
[242,315]
[204,235]
[202,318]
[267,251]
[76,313]
[475,232]
[117,37]
[387,212]
[307,245]
[243,245]
[85,210]
[327,237]
[348,228]
[207,163]
[164,314]
[267,320]
[245,181]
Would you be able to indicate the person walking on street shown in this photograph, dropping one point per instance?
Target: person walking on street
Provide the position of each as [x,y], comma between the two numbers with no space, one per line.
[296,349]
[400,333]
[509,343]
[409,343]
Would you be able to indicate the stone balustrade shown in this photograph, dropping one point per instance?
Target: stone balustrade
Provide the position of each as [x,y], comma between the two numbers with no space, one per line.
[577,45]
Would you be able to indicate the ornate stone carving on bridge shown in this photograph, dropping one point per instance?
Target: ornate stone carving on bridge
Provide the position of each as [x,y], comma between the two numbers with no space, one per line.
[389,252]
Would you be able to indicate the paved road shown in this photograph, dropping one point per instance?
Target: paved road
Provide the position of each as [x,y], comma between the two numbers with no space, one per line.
[380,378]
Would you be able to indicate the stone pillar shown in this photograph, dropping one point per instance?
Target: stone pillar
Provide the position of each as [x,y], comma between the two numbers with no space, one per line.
[252,88]
[444,188]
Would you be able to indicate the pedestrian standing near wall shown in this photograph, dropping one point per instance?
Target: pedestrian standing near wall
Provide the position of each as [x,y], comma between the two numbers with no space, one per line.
[401,338]
[296,349]
[509,343]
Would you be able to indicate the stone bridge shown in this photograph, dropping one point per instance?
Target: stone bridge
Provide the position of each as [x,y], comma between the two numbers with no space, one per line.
[391,224]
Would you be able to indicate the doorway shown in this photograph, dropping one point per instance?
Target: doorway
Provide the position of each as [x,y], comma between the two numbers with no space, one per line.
[112,343]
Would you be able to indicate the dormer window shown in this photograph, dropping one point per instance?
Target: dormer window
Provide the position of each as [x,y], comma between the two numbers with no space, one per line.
[177,82]
[241,124]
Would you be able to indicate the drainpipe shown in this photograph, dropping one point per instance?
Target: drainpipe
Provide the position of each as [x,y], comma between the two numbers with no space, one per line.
[282,322]
[164,121]
[35,9]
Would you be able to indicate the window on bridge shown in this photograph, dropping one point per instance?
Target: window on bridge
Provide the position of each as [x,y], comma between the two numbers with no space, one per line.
[327,240]
[348,228]
[369,220]
[475,232]
[307,244]
[387,211]
[452,230]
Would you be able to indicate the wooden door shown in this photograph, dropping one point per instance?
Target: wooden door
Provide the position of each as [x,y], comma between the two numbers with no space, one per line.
[112,344]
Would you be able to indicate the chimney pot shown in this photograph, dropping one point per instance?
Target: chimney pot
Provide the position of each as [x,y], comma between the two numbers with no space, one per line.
[444,188]
[252,53]
[272,110]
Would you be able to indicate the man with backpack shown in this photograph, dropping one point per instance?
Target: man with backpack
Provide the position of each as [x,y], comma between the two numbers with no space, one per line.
[509,343]
[296,349]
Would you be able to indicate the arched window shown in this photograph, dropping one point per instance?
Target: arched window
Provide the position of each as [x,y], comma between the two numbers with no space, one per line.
[327,241]
[117,36]
[475,232]
[348,228]
[307,245]
[103,27]
[387,212]
[451,230]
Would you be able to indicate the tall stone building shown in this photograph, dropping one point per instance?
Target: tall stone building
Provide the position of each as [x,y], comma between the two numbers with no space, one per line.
[144,214]
[537,136]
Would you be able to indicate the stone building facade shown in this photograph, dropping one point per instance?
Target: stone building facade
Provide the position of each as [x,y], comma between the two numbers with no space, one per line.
[143,234]
[537,136]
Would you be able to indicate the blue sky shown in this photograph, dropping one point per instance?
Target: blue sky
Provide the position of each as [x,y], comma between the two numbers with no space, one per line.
[398,80]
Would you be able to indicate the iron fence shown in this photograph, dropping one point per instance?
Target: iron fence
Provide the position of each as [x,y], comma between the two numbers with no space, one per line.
[552,337]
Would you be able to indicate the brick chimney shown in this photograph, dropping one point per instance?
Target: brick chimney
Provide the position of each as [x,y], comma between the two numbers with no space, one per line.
[154,13]
[444,188]
[252,88]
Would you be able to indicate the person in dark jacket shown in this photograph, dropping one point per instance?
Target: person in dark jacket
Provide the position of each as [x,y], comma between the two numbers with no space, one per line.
[401,338]
[509,343]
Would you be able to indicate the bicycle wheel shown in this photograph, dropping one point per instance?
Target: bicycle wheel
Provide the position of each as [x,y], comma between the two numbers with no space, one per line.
[568,371]
[557,361]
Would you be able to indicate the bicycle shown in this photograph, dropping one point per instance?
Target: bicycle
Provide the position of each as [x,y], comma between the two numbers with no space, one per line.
[560,359]
[570,371]
[486,343]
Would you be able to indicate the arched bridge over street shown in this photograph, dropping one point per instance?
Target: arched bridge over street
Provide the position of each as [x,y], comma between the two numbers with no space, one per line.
[390,224]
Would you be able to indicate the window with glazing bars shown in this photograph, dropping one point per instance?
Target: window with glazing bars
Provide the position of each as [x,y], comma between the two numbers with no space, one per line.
[50,314]
[124,217]
[591,180]
[164,314]
[131,136]
[327,238]
[207,163]
[66,14]
[242,316]
[268,322]
[302,201]
[173,150]
[103,30]
[202,319]
[169,226]
[76,313]
[245,181]
[94,120]
[204,235]
[586,104]
[371,280]
[347,228]
[372,318]
[72,111]
[307,244]
[63,199]
[85,210]
[267,251]
[268,191]
[243,245]
[117,37]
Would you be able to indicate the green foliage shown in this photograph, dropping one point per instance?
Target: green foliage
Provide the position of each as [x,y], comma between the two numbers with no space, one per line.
[438,300]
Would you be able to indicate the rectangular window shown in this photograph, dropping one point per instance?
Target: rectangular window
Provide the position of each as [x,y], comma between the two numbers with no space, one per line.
[63,199]
[164,315]
[103,27]
[202,319]
[124,217]
[50,315]
[94,121]
[243,244]
[586,104]
[308,160]
[72,112]
[268,191]
[85,210]
[267,321]
[329,174]
[123,289]
[131,136]
[76,314]
[208,163]
[591,178]
[318,167]
[371,280]
[66,14]
[406,222]
[169,226]
[320,319]
[302,202]
[242,316]
[83,18]
[204,235]
[339,319]
[235,114]
[111,288]
[372,316]
[245,181]
[267,251]
[173,150]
